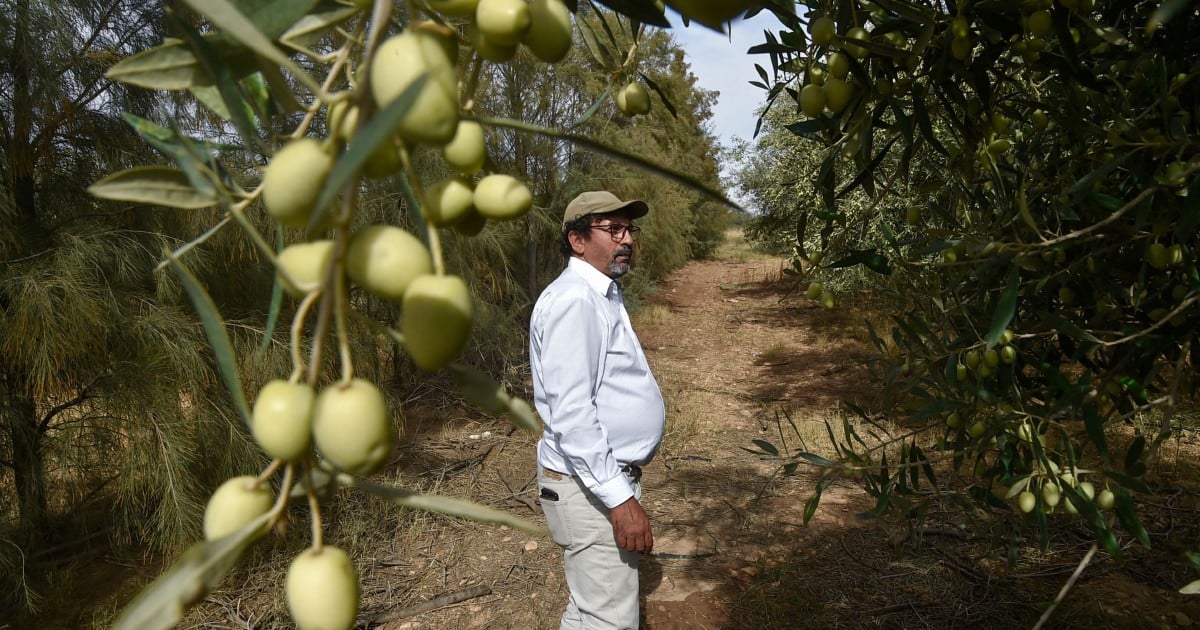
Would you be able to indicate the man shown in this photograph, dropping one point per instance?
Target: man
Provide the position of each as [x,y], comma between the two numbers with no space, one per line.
[603,414]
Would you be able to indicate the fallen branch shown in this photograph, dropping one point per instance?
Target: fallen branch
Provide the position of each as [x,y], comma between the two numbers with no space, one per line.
[479,590]
[1062,593]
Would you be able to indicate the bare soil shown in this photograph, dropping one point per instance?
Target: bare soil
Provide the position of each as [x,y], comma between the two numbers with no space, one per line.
[739,357]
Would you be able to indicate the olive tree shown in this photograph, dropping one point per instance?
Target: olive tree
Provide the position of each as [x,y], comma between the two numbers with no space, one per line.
[1041,267]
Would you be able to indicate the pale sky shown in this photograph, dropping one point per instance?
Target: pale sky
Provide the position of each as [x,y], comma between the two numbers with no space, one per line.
[722,65]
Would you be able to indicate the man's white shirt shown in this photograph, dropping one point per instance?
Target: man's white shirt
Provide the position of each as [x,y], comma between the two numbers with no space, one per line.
[591,384]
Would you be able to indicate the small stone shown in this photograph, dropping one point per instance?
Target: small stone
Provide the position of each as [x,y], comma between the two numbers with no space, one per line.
[531,545]
[1182,620]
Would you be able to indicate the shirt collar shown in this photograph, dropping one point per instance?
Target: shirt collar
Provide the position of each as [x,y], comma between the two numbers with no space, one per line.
[595,279]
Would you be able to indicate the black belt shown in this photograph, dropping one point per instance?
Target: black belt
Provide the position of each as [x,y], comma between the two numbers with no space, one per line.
[630,470]
[634,472]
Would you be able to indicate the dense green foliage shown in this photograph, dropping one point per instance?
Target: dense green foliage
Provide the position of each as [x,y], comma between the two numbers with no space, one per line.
[1030,216]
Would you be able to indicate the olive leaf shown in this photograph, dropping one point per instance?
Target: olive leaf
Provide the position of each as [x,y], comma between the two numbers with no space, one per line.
[200,568]
[155,185]
[442,505]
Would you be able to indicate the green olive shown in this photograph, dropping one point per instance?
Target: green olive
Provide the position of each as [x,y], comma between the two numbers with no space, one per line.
[822,30]
[815,289]
[977,429]
[837,94]
[466,152]
[352,426]
[294,179]
[304,265]
[991,358]
[502,197]
[1050,494]
[812,100]
[827,300]
[1040,120]
[839,65]
[1026,501]
[322,590]
[435,318]
[860,34]
[1087,489]
[711,13]
[633,99]
[1039,23]
[1008,354]
[455,8]
[384,259]
[503,21]
[448,201]
[234,505]
[282,419]
[399,62]
[960,48]
[959,27]
[1158,256]
[549,34]
[1105,499]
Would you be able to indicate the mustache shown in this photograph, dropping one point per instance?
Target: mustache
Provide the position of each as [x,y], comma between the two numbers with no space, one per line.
[624,250]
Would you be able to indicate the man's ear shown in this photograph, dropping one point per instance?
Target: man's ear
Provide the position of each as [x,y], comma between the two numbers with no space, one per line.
[576,239]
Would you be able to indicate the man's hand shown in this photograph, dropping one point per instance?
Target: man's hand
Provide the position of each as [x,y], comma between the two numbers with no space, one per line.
[631,527]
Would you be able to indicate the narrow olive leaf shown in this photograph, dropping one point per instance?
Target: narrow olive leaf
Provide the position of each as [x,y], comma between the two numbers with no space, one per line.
[218,337]
[1085,183]
[817,459]
[1191,588]
[1006,307]
[1127,514]
[234,24]
[522,415]
[154,185]
[236,108]
[192,155]
[591,111]
[312,27]
[1095,429]
[826,177]
[666,101]
[1133,483]
[163,603]
[612,39]
[169,66]
[442,505]
[276,301]
[766,446]
[680,178]
[1134,454]
[480,388]
[810,506]
[599,52]
[380,130]
[866,174]
[280,90]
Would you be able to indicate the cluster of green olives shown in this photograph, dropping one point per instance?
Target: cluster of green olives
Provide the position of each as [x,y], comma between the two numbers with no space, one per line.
[348,423]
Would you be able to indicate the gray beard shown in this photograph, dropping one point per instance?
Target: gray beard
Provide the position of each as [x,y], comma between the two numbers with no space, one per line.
[616,269]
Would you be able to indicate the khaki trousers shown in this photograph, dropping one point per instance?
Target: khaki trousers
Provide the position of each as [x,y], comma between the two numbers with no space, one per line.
[602,578]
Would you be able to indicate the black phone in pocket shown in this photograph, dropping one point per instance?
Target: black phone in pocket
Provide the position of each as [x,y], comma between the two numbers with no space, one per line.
[549,494]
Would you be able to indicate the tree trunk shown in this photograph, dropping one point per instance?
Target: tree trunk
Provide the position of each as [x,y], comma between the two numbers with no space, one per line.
[28,459]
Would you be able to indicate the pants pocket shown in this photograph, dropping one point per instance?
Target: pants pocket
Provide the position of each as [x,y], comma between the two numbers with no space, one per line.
[558,516]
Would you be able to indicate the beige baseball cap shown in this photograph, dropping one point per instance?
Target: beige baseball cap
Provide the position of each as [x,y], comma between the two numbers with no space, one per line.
[603,202]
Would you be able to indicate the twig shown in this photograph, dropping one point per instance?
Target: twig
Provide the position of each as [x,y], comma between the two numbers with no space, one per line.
[1062,593]
[479,590]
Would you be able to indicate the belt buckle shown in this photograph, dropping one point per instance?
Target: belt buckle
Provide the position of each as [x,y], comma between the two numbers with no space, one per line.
[634,472]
